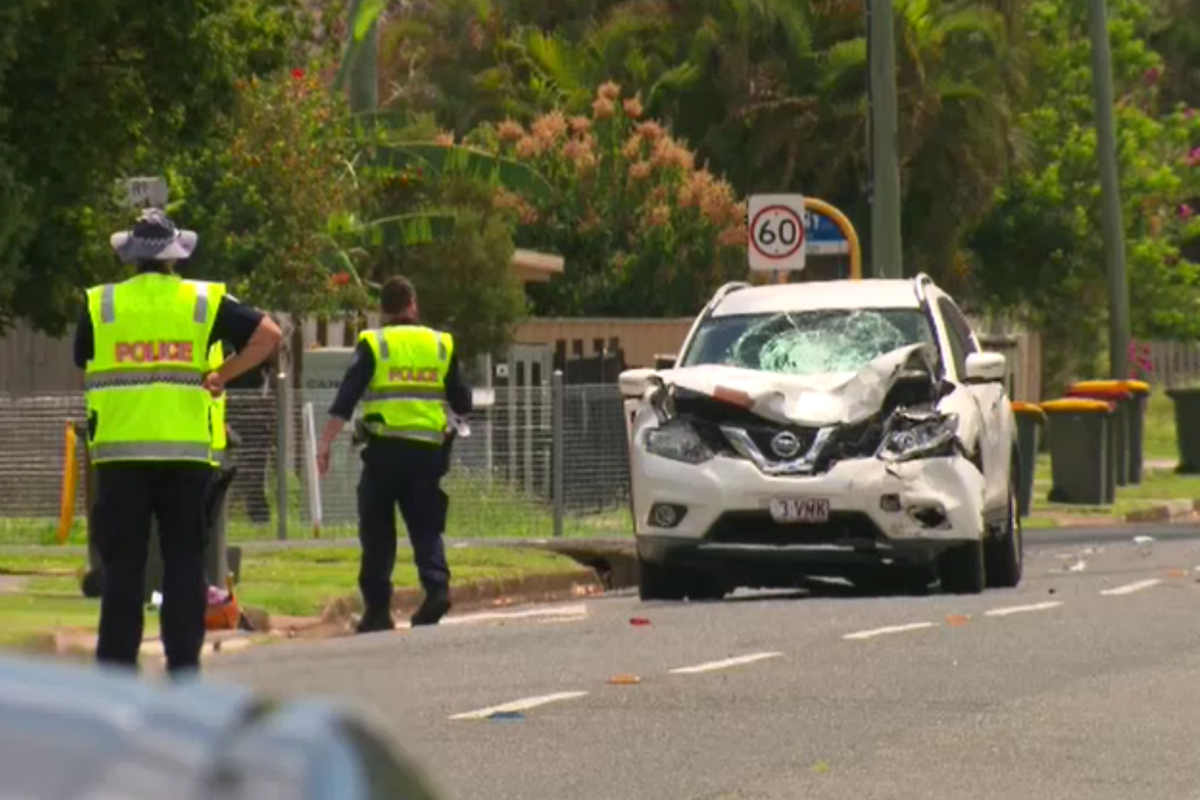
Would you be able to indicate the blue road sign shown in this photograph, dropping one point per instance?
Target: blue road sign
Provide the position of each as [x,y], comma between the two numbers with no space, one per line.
[823,237]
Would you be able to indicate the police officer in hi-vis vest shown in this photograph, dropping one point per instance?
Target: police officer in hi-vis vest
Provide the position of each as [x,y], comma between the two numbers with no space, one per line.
[144,345]
[405,374]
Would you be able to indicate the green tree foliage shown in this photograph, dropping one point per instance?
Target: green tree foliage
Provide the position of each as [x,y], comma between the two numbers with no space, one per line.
[1040,248]
[95,90]
[262,193]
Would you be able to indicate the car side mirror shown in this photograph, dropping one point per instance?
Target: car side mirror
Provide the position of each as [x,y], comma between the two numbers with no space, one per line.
[634,382]
[986,367]
[664,361]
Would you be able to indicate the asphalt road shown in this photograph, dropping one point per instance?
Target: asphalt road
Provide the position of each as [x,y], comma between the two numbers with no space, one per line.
[1082,683]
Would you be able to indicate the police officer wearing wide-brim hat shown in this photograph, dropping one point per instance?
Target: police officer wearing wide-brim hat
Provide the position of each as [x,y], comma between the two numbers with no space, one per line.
[144,346]
[406,374]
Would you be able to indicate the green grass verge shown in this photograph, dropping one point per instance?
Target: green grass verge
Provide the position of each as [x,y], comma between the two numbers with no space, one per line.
[291,582]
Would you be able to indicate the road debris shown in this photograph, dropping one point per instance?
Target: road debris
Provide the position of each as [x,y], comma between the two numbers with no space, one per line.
[506,716]
[624,680]
[639,621]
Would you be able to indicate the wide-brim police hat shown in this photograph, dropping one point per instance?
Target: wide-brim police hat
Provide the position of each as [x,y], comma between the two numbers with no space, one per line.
[154,238]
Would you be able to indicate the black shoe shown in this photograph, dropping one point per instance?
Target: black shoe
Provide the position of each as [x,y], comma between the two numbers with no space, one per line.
[437,603]
[375,621]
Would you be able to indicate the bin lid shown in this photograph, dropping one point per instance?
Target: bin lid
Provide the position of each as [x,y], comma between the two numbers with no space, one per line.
[1107,388]
[1100,390]
[1032,409]
[1077,405]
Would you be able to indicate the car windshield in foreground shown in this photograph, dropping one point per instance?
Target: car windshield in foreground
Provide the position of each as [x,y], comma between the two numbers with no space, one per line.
[807,342]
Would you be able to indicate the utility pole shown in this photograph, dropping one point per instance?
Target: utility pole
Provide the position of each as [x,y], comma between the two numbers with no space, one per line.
[886,252]
[1110,188]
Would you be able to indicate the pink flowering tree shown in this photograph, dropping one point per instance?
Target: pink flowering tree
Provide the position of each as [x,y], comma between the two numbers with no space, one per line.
[644,230]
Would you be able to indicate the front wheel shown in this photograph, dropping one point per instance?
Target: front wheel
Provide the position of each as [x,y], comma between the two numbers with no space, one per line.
[1006,551]
[658,582]
[962,570]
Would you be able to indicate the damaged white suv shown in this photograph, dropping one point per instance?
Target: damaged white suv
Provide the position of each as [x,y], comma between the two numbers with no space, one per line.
[847,429]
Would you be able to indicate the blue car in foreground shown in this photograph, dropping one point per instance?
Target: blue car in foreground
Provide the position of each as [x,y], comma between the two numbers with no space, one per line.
[84,732]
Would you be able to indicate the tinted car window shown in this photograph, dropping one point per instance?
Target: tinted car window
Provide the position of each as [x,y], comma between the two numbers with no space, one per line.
[806,342]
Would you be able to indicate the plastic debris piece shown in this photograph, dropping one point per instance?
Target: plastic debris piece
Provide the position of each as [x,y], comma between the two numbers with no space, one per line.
[506,716]
[821,767]
[639,621]
[1143,539]
[624,680]
[1078,566]
[1176,573]
[957,620]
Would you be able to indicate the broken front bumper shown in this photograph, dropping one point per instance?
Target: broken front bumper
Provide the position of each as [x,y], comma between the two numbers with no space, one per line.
[721,508]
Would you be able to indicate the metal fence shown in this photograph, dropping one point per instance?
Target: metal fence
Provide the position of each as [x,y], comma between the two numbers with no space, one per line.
[540,462]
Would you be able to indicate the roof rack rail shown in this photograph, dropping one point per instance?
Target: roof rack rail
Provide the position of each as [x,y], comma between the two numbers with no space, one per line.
[728,288]
[919,283]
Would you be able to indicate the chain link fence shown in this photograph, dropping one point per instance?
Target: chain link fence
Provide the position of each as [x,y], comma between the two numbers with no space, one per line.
[539,462]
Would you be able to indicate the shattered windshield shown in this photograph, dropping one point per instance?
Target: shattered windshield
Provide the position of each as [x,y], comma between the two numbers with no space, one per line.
[807,342]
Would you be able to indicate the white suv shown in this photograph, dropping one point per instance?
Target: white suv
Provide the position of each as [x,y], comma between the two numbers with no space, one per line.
[848,429]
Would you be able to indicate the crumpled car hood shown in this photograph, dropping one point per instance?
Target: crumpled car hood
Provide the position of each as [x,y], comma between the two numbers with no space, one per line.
[817,400]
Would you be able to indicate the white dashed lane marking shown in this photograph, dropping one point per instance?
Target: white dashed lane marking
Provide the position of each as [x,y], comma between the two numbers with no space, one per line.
[914,626]
[1004,612]
[724,664]
[557,613]
[523,704]
[1130,588]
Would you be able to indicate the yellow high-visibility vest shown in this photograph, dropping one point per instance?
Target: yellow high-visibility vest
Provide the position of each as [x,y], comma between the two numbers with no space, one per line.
[406,396]
[216,357]
[144,383]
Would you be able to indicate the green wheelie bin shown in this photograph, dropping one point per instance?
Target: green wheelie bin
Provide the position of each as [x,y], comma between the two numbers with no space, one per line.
[1081,453]
[1030,419]
[1132,397]
[1187,428]
[1118,394]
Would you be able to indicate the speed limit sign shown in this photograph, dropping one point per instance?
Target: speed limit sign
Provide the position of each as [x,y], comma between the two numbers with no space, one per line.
[776,232]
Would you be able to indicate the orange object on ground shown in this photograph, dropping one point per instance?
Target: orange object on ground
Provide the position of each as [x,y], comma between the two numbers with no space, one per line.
[222,614]
[624,680]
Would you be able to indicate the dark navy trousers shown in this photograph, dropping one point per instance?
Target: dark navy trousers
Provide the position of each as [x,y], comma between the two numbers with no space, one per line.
[405,475]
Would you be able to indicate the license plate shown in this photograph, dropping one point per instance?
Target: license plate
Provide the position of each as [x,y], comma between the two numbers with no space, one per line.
[800,509]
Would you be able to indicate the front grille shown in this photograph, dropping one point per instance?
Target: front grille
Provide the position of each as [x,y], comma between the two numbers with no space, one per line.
[762,435]
[757,528]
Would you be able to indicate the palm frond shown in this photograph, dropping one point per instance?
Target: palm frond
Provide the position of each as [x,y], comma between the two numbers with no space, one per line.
[465,161]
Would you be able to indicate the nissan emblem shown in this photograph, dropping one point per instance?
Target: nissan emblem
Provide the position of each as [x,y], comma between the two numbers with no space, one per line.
[786,444]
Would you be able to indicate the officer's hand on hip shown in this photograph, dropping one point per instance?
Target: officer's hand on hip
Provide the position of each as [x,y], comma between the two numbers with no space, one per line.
[214,384]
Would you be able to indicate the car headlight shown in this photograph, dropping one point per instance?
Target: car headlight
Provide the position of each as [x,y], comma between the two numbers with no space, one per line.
[920,436]
[677,441]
